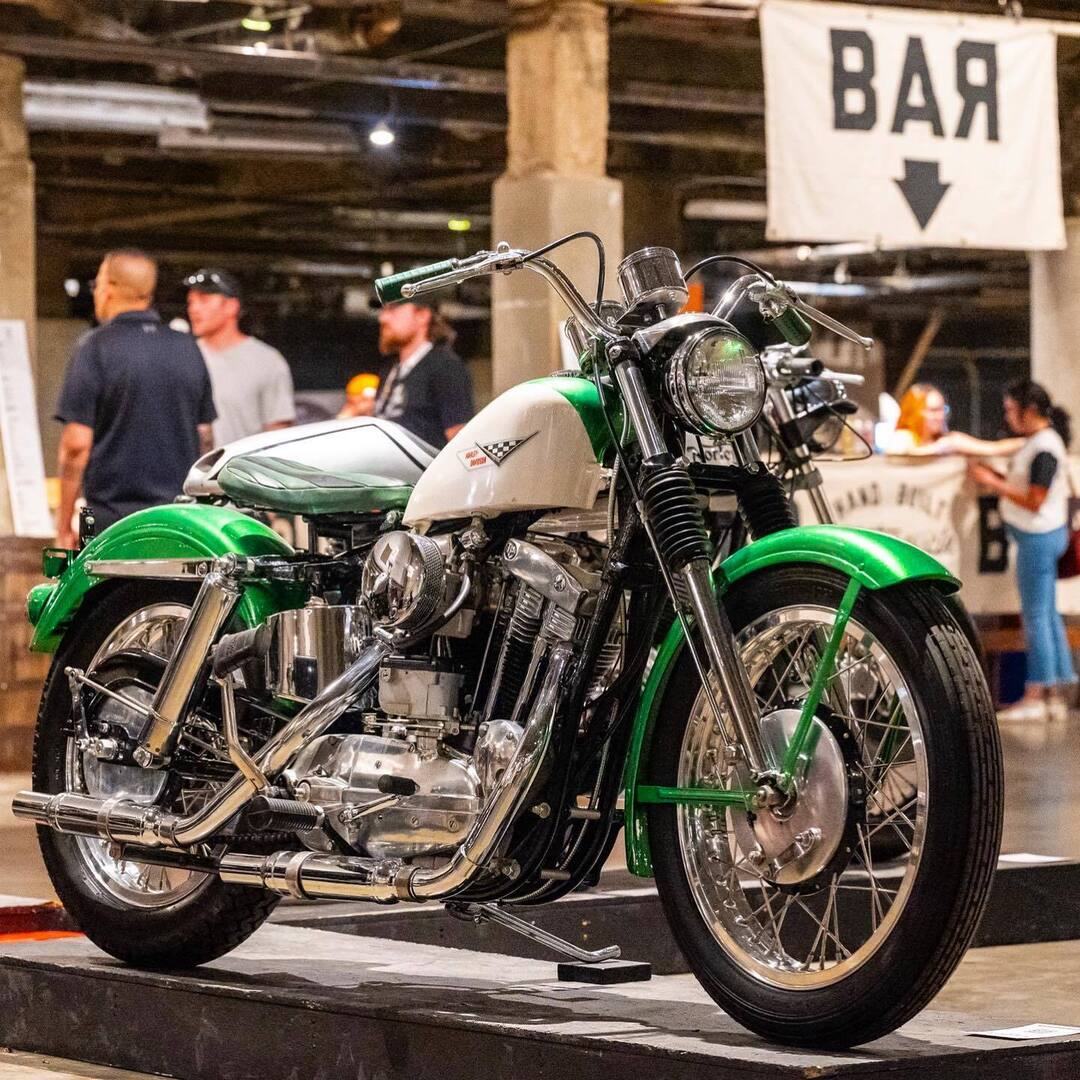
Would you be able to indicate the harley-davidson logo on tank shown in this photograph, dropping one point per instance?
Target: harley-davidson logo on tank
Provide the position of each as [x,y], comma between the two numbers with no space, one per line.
[493,453]
[528,450]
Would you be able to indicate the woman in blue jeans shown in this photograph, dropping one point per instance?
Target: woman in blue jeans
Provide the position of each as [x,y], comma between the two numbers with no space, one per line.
[1034,500]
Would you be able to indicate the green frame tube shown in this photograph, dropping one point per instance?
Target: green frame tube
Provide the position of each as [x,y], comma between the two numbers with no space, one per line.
[797,756]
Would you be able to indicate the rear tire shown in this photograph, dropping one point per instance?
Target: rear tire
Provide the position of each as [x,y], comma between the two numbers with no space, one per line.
[207,918]
[870,988]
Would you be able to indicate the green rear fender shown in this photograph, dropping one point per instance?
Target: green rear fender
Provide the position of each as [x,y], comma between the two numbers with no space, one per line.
[173,531]
[875,560]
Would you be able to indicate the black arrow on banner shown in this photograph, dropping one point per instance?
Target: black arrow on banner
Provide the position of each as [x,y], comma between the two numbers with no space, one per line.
[923,189]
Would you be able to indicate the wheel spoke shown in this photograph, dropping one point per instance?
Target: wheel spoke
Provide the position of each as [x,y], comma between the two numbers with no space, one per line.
[753,914]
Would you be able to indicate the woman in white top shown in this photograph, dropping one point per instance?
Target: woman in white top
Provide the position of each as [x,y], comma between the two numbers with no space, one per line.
[1034,500]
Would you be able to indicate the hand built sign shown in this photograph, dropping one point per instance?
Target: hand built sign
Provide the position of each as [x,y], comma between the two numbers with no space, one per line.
[910,128]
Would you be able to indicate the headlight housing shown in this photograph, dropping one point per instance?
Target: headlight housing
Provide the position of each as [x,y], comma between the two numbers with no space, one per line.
[715,383]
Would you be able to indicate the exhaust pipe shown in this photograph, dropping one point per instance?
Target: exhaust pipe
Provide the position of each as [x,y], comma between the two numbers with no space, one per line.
[310,875]
[124,822]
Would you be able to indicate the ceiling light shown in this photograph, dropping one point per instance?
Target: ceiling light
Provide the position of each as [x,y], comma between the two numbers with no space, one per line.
[459,224]
[256,20]
[260,47]
[381,135]
[72,287]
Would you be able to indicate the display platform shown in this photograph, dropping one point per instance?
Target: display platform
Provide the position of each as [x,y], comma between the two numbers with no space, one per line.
[1030,902]
[294,1001]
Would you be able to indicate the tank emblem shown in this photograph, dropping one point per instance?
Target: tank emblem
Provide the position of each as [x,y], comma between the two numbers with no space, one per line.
[495,453]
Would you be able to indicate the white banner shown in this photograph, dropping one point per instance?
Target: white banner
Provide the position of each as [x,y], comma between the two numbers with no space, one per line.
[19,435]
[910,128]
[933,505]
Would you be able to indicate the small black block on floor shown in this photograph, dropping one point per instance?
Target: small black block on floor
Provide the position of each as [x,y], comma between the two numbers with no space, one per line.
[605,973]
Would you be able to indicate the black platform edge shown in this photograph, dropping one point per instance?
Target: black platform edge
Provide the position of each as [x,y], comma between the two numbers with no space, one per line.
[232,1023]
[1028,904]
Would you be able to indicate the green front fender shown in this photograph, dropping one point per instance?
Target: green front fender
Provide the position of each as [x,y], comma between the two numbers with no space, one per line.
[172,531]
[875,560]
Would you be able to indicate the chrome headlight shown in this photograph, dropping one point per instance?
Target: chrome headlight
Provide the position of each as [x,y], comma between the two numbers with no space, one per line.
[715,383]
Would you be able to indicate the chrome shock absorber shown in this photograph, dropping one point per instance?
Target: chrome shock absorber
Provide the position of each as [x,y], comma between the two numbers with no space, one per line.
[218,596]
[677,529]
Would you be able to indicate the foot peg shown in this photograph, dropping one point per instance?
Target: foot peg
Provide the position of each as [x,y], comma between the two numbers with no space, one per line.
[266,814]
[479,913]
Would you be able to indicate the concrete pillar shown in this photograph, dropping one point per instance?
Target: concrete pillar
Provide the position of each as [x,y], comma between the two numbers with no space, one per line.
[555,183]
[1055,320]
[17,278]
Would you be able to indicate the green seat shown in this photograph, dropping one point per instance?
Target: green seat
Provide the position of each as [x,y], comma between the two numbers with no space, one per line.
[271,483]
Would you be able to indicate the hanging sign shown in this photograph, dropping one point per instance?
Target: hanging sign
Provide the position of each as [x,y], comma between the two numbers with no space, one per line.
[19,435]
[910,128]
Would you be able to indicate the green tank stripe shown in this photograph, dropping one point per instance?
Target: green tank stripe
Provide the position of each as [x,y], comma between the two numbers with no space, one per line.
[582,394]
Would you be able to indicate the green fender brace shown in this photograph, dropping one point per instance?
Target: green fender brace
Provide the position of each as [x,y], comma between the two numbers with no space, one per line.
[172,531]
[873,559]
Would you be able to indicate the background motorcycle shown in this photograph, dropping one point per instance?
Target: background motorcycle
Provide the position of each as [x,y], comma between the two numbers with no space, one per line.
[450,711]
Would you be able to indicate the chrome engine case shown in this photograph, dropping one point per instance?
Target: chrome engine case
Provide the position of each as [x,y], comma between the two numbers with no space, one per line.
[341,773]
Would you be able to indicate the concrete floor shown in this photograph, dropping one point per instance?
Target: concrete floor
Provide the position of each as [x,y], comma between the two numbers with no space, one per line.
[15,1065]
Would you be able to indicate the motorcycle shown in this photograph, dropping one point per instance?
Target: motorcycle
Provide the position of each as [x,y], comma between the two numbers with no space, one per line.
[446,700]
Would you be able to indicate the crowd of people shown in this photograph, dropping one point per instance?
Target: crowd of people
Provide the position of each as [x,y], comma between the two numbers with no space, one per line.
[1033,497]
[141,401]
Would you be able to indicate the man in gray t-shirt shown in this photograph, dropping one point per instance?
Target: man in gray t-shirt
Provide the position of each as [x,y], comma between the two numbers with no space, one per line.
[253,388]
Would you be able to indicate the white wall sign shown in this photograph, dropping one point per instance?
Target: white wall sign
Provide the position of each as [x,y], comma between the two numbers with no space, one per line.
[912,128]
[19,434]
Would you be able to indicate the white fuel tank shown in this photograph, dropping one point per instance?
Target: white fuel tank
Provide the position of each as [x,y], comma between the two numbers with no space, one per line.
[528,450]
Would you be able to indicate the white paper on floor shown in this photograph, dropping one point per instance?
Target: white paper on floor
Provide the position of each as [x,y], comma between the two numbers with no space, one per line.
[1029,1031]
[1027,857]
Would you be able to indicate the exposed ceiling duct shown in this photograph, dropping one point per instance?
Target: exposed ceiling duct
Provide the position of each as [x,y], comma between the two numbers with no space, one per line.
[126,108]
[294,64]
[184,122]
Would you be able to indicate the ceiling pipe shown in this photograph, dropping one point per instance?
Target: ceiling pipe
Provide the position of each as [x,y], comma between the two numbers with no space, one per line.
[292,64]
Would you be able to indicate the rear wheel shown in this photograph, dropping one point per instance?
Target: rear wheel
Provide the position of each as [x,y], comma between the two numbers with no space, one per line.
[148,915]
[791,919]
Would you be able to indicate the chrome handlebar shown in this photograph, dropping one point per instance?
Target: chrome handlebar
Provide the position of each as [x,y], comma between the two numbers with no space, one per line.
[775,300]
[505,260]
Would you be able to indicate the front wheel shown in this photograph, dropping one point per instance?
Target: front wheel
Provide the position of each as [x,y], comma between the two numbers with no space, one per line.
[789,918]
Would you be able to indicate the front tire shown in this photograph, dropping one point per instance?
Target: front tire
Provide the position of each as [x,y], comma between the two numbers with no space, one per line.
[147,916]
[850,950]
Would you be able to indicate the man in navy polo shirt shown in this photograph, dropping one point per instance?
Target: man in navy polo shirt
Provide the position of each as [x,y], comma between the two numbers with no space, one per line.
[136,403]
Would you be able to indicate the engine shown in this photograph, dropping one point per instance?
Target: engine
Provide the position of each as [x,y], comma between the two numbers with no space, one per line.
[427,752]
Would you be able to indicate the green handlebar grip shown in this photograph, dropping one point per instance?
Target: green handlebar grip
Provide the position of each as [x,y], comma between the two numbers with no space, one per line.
[795,329]
[388,289]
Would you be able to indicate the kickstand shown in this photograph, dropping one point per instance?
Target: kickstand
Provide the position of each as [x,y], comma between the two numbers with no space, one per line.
[479,913]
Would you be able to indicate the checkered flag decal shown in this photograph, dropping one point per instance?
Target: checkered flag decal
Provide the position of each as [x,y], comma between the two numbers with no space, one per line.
[501,450]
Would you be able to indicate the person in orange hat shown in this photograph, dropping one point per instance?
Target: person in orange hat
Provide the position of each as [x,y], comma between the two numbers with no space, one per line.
[360,392]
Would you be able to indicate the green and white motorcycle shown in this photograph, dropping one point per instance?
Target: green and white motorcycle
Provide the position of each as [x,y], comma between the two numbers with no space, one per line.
[446,701]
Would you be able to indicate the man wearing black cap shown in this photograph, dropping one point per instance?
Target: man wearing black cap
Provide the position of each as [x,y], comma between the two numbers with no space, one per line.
[253,388]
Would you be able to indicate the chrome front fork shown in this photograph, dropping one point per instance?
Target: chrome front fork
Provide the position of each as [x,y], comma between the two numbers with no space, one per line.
[694,583]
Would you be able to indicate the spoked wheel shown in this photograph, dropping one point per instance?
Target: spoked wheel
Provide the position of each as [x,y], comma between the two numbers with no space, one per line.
[796,920]
[146,914]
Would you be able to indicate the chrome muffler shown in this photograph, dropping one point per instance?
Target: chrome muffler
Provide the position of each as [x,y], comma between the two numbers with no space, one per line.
[125,822]
[311,875]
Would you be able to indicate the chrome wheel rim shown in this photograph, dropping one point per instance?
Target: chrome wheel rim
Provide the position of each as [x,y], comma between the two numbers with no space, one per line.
[154,629]
[762,927]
